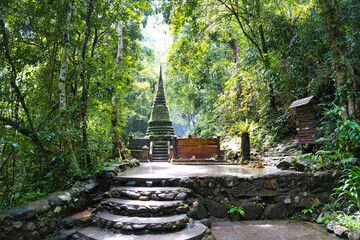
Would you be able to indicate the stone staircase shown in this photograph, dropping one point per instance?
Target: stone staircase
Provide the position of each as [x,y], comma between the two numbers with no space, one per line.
[160,151]
[145,209]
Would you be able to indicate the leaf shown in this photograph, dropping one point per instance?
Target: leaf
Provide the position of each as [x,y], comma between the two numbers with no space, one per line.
[15,144]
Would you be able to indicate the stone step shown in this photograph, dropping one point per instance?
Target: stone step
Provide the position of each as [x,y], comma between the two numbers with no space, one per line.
[196,232]
[139,208]
[160,148]
[125,224]
[159,160]
[146,181]
[160,155]
[150,193]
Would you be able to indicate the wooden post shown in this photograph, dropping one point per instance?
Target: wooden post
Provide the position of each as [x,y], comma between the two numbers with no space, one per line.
[175,148]
[218,146]
[245,146]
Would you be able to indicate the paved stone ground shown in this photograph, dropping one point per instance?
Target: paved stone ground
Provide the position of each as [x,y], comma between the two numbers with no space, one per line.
[270,230]
[167,170]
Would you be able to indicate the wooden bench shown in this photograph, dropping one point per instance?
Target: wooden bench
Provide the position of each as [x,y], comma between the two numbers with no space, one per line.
[198,148]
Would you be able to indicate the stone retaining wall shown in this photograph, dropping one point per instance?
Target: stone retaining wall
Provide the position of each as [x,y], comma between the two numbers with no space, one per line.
[36,219]
[272,196]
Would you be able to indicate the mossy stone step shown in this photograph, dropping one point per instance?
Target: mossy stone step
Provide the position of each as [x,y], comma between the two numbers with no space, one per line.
[142,181]
[125,224]
[142,208]
[137,203]
[148,193]
[194,233]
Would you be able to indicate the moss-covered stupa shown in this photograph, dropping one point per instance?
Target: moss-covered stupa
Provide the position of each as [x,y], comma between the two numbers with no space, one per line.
[160,124]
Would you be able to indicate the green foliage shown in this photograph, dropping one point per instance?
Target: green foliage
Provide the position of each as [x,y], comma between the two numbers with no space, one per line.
[260,204]
[244,126]
[351,221]
[36,43]
[341,143]
[313,207]
[350,185]
[236,211]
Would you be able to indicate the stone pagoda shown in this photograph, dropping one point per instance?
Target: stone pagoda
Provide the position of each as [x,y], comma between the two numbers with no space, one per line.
[160,129]
[160,124]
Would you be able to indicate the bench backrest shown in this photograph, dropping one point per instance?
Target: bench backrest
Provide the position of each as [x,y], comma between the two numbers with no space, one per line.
[200,148]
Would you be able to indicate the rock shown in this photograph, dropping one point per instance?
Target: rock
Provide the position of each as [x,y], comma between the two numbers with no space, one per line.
[341,231]
[169,226]
[139,227]
[287,200]
[157,227]
[142,210]
[251,211]
[301,165]
[181,210]
[21,212]
[198,211]
[144,198]
[4,218]
[215,209]
[283,165]
[270,184]
[127,228]
[286,148]
[275,211]
[66,197]
[169,210]
[181,196]
[354,235]
[35,236]
[145,193]
[29,226]
[130,210]
[131,195]
[149,183]
[330,226]
[118,225]
[97,198]
[155,210]
[164,196]
[115,194]
[66,233]
[132,183]
[206,222]
[71,222]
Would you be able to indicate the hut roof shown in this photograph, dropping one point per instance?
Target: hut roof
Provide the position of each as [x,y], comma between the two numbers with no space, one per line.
[303,101]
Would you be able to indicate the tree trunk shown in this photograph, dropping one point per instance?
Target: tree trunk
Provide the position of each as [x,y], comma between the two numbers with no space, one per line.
[237,52]
[62,95]
[265,52]
[84,84]
[18,93]
[117,147]
[344,71]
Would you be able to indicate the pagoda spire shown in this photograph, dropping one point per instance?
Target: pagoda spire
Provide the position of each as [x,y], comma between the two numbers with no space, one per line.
[160,124]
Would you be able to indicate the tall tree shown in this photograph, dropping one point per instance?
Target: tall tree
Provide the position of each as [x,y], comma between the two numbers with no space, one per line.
[347,89]
[62,90]
[117,147]
[84,83]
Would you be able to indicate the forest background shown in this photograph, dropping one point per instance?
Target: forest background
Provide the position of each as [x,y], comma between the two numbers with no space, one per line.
[78,76]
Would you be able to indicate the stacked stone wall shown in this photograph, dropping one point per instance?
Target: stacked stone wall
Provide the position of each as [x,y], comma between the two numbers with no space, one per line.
[37,219]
